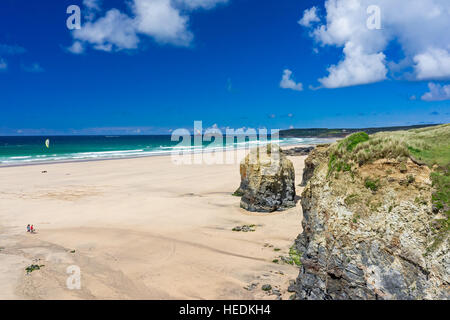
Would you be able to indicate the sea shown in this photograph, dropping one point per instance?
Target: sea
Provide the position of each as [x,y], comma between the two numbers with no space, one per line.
[23,150]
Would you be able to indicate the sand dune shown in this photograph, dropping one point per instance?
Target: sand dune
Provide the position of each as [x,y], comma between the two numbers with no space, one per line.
[138,229]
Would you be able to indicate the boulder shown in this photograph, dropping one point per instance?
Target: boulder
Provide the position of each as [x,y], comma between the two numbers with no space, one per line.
[267,181]
[298,151]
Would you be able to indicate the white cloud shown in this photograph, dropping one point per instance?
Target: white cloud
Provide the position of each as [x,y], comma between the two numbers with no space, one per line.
[160,20]
[114,31]
[309,16]
[165,21]
[204,4]
[92,4]
[92,7]
[418,27]
[3,64]
[437,92]
[288,83]
[434,63]
[76,48]
[356,68]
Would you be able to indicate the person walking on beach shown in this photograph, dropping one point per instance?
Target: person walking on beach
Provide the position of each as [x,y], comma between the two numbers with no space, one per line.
[31,229]
[28,228]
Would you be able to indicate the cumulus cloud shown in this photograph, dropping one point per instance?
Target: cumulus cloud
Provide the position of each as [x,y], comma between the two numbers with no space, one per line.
[288,83]
[165,21]
[160,20]
[434,63]
[418,27]
[114,31]
[309,16]
[437,92]
[357,68]
[92,7]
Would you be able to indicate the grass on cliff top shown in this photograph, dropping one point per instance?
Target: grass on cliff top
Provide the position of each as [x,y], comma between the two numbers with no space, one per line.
[353,140]
[429,146]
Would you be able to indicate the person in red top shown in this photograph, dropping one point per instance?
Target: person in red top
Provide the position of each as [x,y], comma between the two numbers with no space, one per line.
[32,229]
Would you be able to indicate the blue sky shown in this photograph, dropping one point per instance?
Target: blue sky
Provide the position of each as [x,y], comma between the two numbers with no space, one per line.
[218,61]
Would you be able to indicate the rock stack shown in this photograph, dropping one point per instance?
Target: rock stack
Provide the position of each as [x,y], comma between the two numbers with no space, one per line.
[267,180]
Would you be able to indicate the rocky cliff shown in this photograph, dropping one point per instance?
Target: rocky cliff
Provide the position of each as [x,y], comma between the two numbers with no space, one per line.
[371,229]
[311,162]
[267,181]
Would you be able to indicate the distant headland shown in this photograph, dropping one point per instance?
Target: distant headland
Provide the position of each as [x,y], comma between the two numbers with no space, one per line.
[341,132]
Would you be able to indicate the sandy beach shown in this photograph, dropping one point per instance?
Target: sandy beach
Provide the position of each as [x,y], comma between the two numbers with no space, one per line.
[140,228]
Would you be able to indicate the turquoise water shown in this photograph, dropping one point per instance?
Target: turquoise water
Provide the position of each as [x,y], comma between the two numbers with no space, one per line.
[28,150]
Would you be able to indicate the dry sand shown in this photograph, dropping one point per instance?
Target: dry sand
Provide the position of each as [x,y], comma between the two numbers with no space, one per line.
[141,228]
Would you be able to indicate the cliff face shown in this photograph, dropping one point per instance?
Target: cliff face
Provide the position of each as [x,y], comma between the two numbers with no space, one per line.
[317,155]
[369,232]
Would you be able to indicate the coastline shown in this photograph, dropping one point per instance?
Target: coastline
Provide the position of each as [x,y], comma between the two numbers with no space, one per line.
[141,228]
[166,154]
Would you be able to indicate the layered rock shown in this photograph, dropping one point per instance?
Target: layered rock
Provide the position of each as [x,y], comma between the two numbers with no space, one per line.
[267,181]
[318,154]
[368,233]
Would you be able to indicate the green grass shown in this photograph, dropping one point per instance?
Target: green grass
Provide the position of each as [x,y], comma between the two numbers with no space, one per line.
[441,200]
[339,163]
[353,140]
[331,163]
[373,185]
[33,267]
[238,193]
[430,146]
[442,196]
[295,256]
